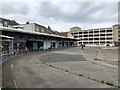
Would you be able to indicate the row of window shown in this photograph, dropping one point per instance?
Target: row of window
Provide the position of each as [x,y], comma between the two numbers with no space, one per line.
[85,32]
[95,35]
[90,33]
[95,42]
[97,39]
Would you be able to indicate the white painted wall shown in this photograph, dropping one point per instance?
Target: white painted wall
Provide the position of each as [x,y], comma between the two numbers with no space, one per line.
[57,44]
[47,44]
[29,27]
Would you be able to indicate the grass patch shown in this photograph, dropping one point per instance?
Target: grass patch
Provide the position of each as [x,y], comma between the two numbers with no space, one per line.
[102,81]
[80,75]
[57,68]
[66,70]
[118,86]
[108,83]
[62,69]
[88,77]
[50,65]
[53,66]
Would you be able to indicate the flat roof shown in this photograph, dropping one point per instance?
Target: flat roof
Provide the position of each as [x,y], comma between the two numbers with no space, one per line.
[32,32]
[6,36]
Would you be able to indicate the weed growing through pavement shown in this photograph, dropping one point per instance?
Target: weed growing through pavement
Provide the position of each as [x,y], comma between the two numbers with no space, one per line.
[66,70]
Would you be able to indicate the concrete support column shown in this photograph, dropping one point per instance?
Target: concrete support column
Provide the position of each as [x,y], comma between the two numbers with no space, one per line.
[47,44]
[12,46]
[64,43]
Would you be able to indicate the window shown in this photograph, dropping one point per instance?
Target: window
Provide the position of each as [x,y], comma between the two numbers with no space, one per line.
[102,34]
[80,35]
[109,34]
[90,31]
[96,35]
[85,35]
[80,32]
[85,32]
[102,38]
[90,38]
[102,31]
[96,38]
[109,30]
[102,42]
[90,35]
[109,38]
[75,36]
[96,31]
[90,42]
[96,42]
[85,39]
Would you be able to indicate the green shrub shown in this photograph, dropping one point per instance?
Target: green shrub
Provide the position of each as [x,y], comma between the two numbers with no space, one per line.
[66,70]
[108,83]
[80,75]
[102,81]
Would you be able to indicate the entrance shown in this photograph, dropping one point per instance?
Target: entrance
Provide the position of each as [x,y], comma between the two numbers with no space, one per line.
[34,45]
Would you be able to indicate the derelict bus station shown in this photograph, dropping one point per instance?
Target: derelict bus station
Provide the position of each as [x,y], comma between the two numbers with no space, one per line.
[18,39]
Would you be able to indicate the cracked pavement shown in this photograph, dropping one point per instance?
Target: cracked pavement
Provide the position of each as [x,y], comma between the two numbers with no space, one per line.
[61,69]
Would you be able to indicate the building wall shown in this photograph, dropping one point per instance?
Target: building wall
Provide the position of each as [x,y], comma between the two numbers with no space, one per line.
[37,28]
[100,36]
[116,35]
[75,29]
[47,44]
[63,34]
[30,27]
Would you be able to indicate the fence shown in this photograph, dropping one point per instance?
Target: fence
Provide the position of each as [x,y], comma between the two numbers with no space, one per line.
[4,57]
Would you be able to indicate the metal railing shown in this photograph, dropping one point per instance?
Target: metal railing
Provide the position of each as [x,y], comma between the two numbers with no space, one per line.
[4,56]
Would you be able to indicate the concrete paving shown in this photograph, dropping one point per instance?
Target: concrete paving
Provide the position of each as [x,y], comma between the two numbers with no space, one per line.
[42,76]
[68,68]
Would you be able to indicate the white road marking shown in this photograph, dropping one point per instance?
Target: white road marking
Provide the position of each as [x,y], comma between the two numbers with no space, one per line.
[13,76]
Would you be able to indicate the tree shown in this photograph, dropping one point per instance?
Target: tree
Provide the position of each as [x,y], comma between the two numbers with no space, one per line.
[27,22]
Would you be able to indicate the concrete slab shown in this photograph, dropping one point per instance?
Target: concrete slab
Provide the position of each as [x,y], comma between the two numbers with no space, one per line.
[31,72]
[32,75]
[90,70]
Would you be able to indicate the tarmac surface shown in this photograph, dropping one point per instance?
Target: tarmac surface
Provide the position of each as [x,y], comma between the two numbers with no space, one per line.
[66,68]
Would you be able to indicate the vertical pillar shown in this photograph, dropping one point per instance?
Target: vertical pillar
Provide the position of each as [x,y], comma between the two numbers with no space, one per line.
[12,46]
[99,36]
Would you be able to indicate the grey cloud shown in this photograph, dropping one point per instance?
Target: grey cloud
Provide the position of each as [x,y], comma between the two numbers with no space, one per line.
[14,8]
[63,15]
[83,14]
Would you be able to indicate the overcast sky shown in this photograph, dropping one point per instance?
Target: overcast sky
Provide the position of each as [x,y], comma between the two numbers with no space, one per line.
[61,16]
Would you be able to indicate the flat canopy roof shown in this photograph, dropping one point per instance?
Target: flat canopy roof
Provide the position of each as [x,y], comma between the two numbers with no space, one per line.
[6,36]
[31,32]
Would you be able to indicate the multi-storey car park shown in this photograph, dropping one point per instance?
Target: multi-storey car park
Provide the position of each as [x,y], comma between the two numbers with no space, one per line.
[97,37]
